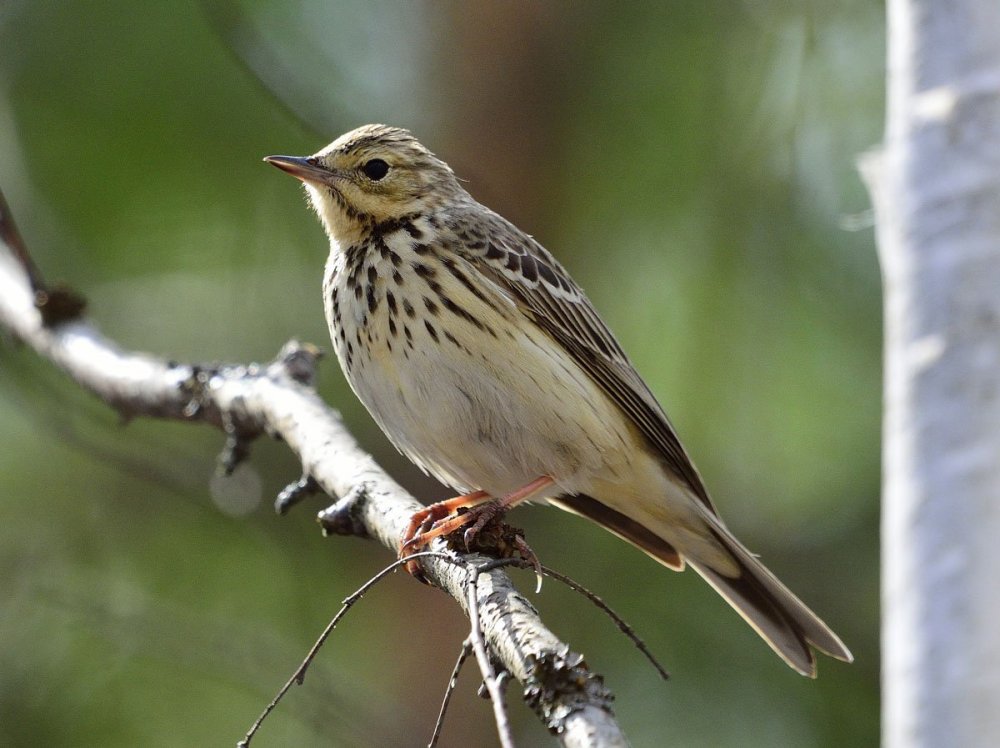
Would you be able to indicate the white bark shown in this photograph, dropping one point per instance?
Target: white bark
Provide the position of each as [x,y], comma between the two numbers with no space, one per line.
[936,189]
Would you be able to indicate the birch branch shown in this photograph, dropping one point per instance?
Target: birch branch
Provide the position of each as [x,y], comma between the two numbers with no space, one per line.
[277,399]
[936,189]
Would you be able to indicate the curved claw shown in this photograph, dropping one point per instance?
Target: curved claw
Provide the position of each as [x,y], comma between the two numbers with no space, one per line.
[484,514]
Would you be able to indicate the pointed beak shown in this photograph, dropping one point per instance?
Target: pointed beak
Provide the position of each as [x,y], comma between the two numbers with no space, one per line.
[306,168]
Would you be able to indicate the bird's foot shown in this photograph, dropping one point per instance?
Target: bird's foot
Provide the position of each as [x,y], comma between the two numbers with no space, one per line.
[428,524]
[473,513]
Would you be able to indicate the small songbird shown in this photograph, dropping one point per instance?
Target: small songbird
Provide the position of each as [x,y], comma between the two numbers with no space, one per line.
[486,365]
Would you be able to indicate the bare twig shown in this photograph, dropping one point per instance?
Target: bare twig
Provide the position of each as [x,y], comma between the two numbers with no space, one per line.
[485,664]
[248,401]
[624,626]
[620,622]
[295,492]
[10,236]
[299,676]
[463,655]
[57,303]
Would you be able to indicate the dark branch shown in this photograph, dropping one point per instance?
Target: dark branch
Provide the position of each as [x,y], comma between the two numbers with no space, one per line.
[57,303]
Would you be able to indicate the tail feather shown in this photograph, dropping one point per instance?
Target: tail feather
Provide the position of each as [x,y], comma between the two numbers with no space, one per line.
[772,610]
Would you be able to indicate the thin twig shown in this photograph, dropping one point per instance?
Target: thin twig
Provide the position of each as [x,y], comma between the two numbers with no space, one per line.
[298,677]
[463,655]
[620,622]
[485,665]
[11,236]
[56,303]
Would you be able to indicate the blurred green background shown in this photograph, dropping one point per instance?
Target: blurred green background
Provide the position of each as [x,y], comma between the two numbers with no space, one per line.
[692,164]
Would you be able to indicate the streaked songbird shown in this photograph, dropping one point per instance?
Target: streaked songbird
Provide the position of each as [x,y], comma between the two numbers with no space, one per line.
[486,365]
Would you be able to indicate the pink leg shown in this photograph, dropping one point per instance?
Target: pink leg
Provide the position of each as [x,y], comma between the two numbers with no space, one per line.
[433,514]
[477,516]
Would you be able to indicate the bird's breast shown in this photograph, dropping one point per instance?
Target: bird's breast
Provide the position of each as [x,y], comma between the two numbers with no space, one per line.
[457,377]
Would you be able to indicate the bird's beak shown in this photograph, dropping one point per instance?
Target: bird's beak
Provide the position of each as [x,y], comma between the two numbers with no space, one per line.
[305,168]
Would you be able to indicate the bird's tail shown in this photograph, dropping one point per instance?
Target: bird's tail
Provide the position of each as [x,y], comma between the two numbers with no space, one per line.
[774,612]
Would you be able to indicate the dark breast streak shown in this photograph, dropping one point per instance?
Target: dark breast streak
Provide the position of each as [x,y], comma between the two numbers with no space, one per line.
[391,292]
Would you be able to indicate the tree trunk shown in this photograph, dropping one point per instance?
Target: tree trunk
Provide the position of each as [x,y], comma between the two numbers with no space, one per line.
[936,190]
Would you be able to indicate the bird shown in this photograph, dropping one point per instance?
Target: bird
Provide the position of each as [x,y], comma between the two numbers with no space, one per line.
[485,364]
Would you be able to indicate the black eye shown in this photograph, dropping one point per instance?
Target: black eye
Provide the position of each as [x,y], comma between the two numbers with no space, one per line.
[375,169]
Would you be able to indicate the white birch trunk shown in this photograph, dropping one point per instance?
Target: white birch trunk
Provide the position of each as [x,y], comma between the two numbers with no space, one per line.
[936,189]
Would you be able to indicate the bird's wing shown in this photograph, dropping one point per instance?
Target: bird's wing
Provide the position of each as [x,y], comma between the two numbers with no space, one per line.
[544,291]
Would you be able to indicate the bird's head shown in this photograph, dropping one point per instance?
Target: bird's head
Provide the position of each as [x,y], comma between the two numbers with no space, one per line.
[369,176]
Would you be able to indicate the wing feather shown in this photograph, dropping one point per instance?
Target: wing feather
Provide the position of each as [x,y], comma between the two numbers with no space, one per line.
[549,297]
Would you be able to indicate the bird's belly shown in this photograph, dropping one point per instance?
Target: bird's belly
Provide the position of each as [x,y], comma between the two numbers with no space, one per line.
[490,412]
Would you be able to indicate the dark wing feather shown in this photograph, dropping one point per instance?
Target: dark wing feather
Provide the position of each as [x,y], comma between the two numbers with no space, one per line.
[543,290]
[622,526]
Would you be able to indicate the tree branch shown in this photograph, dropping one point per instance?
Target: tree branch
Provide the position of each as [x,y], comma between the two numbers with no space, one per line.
[935,186]
[247,401]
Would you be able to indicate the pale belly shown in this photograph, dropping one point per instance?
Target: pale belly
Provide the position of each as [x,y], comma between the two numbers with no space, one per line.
[479,410]
[492,422]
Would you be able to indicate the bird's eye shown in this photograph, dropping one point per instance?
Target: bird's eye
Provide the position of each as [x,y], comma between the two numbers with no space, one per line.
[375,169]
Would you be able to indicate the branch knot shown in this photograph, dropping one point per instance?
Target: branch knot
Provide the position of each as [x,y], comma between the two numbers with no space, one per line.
[560,683]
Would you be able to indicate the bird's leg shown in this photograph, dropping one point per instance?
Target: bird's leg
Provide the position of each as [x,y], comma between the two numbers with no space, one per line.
[421,522]
[434,521]
[429,516]
[491,509]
